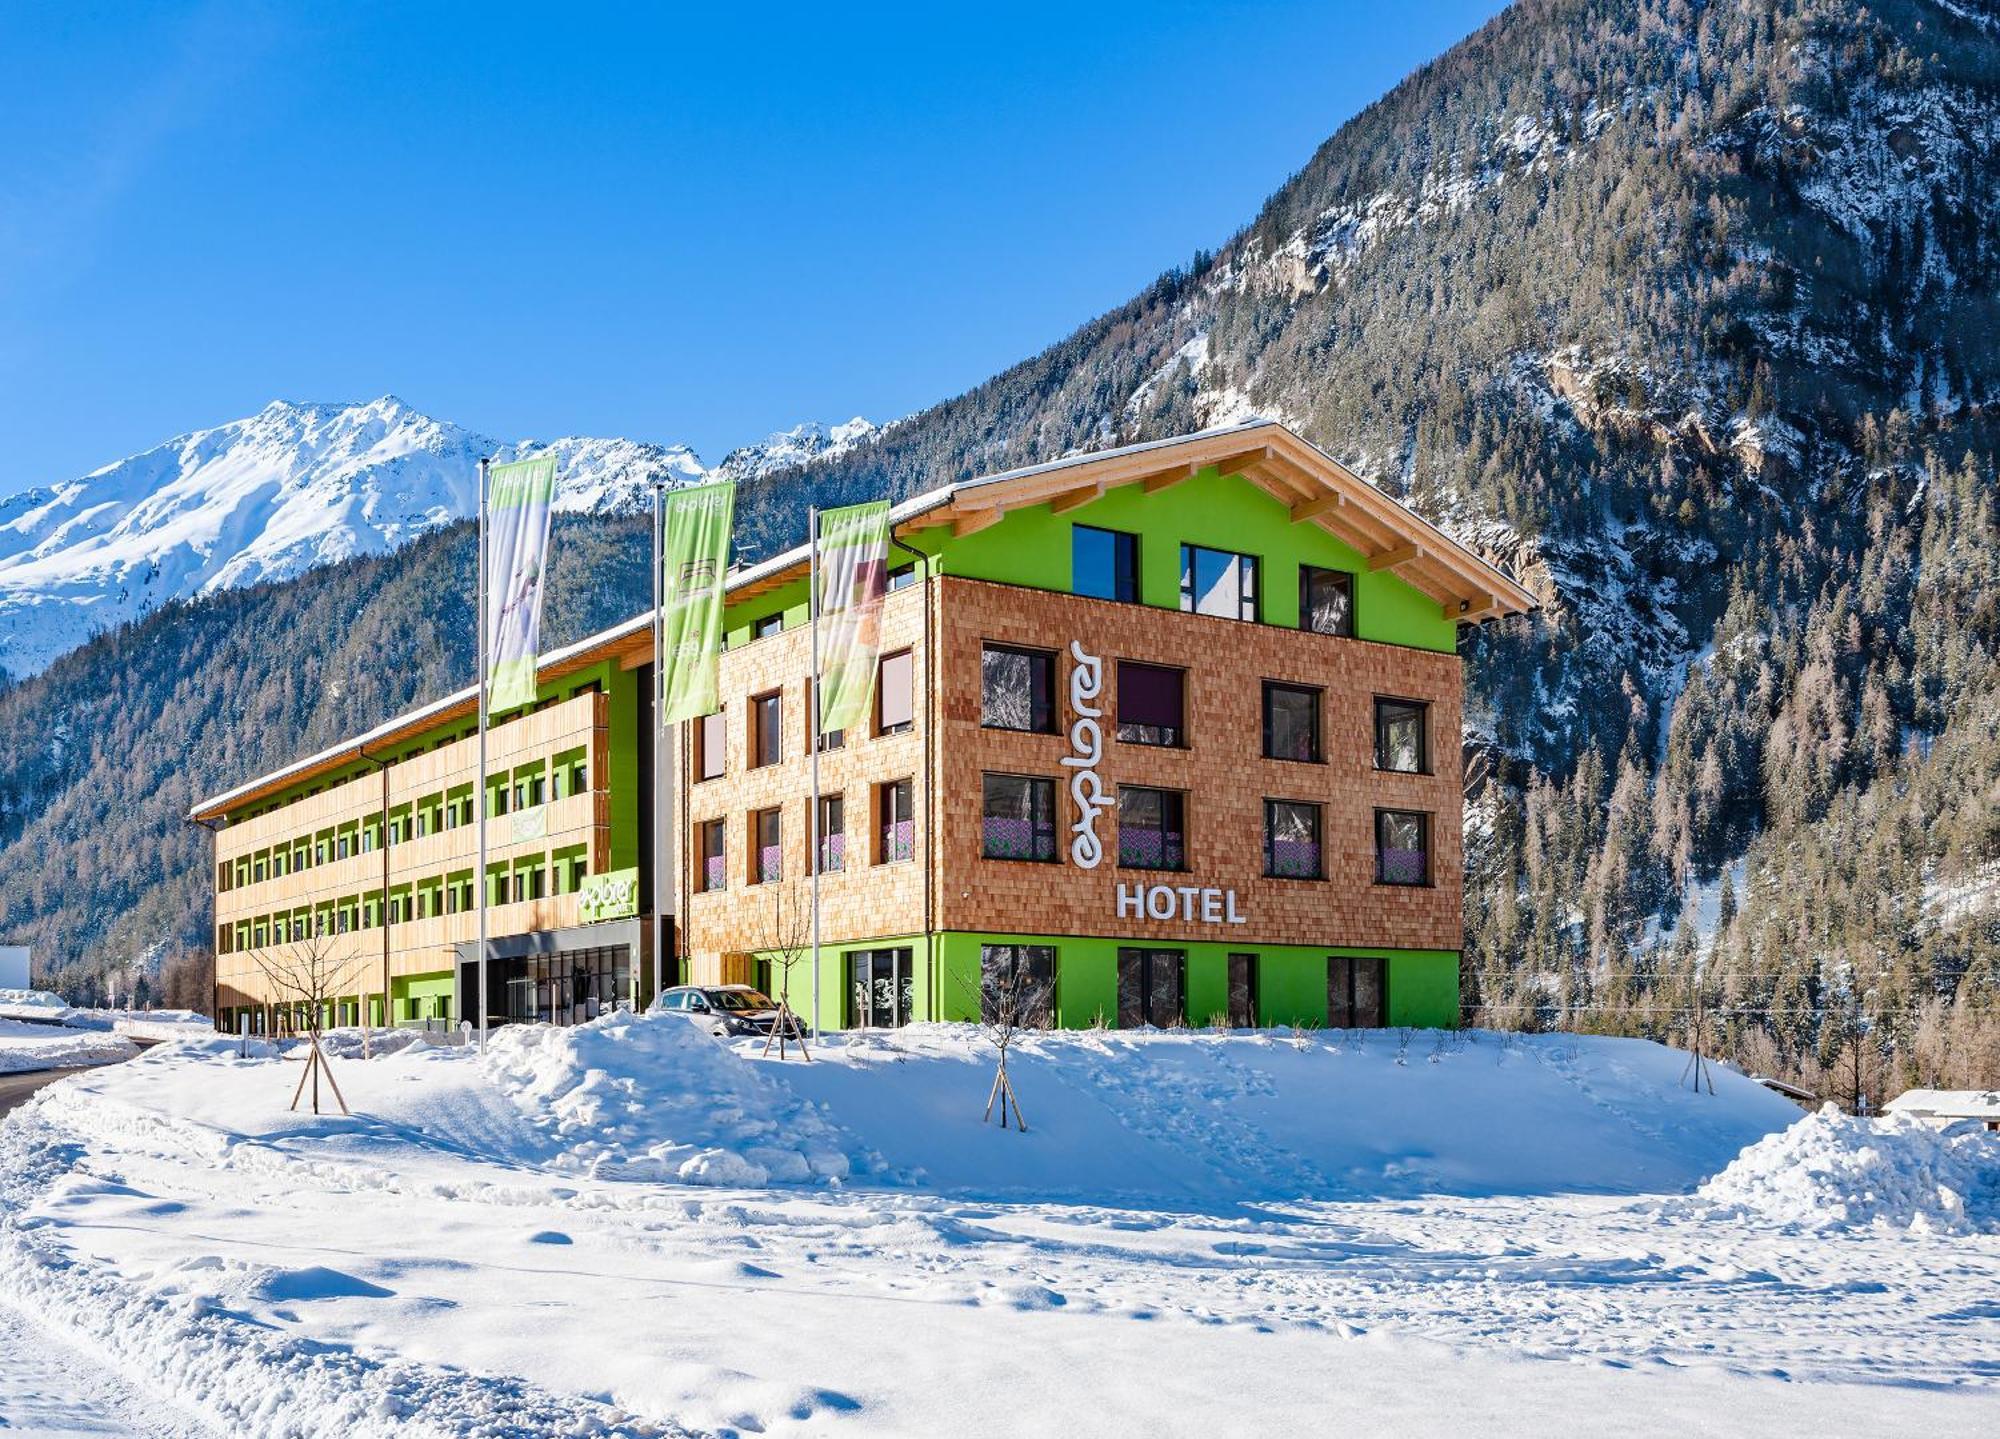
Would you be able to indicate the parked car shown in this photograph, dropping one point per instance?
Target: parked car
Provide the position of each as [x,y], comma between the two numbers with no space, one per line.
[726,1009]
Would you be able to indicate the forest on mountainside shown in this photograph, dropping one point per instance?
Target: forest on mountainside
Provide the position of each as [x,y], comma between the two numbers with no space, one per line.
[1683,310]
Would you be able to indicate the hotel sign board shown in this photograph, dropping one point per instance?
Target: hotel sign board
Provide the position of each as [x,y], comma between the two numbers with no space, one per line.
[608,896]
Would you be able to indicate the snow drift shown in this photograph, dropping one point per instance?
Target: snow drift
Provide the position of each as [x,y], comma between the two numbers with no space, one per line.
[650,1097]
[1832,1171]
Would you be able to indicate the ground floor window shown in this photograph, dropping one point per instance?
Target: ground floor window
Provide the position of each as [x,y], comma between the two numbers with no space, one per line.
[881,988]
[1152,988]
[1357,992]
[1017,985]
[1242,991]
[565,988]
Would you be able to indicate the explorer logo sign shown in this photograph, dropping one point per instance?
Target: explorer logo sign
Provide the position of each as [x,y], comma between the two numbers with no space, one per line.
[608,896]
[1086,744]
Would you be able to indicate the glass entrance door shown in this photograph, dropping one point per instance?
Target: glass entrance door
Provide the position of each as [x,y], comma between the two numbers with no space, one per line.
[880,988]
[1152,987]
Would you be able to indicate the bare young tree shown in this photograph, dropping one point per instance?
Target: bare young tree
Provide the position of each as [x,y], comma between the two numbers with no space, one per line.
[790,938]
[1013,999]
[307,974]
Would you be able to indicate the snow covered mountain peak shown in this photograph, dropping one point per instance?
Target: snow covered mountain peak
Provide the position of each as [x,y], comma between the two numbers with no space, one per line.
[293,486]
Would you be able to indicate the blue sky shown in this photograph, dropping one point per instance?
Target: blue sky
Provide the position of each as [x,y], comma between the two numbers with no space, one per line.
[695,225]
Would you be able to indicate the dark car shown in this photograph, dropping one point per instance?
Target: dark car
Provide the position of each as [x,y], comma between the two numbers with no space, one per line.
[725,1009]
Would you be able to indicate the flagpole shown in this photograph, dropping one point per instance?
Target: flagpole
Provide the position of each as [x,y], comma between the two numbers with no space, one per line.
[479,790]
[659,732]
[812,741]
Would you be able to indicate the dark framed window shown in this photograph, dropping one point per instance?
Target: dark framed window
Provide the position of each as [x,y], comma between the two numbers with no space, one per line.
[1017,985]
[711,746]
[1152,704]
[1357,992]
[1017,689]
[1018,818]
[895,699]
[896,822]
[902,577]
[1218,582]
[1104,564]
[767,846]
[832,833]
[1152,832]
[1152,988]
[1326,601]
[768,625]
[1242,991]
[767,729]
[1402,847]
[881,988]
[714,856]
[1401,738]
[1292,722]
[1292,840]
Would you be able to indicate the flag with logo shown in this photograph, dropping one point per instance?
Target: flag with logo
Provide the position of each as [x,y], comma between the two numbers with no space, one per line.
[694,562]
[518,501]
[853,577]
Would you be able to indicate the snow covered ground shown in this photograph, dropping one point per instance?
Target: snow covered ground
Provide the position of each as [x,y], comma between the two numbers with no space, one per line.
[630,1228]
[25,1046]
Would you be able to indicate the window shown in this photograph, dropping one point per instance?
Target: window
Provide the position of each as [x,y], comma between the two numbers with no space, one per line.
[1017,689]
[767,730]
[767,846]
[1399,736]
[1019,818]
[1402,847]
[1291,840]
[768,625]
[895,708]
[714,872]
[902,577]
[1017,985]
[832,833]
[1152,704]
[1291,722]
[1242,991]
[880,987]
[1218,582]
[1152,988]
[1357,992]
[895,805]
[711,746]
[1104,564]
[1151,834]
[1326,601]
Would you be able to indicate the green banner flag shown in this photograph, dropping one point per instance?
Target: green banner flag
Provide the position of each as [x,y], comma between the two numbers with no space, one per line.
[518,500]
[694,562]
[853,546]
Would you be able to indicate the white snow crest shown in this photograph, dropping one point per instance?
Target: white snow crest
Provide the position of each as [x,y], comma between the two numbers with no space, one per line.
[650,1097]
[1832,1172]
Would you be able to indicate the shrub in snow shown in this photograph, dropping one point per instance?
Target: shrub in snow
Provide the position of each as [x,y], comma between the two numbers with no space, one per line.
[651,1097]
[1831,1171]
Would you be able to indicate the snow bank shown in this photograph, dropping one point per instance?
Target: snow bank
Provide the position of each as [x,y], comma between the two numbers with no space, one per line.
[36,1005]
[26,1047]
[651,1097]
[1195,1117]
[1833,1172]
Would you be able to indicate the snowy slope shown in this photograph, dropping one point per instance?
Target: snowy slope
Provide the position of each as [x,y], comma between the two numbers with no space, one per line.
[291,487]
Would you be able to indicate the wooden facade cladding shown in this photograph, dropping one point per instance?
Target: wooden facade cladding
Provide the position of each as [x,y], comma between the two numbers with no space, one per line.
[415,945]
[866,897]
[1222,771]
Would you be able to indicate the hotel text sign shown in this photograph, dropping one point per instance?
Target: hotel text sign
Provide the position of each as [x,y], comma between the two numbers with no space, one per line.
[1086,744]
[1188,903]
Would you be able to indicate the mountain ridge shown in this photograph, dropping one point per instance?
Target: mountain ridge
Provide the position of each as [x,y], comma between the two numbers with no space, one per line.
[297,485]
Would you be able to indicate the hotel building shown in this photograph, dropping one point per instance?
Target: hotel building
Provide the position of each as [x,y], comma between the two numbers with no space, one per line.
[1174,727]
